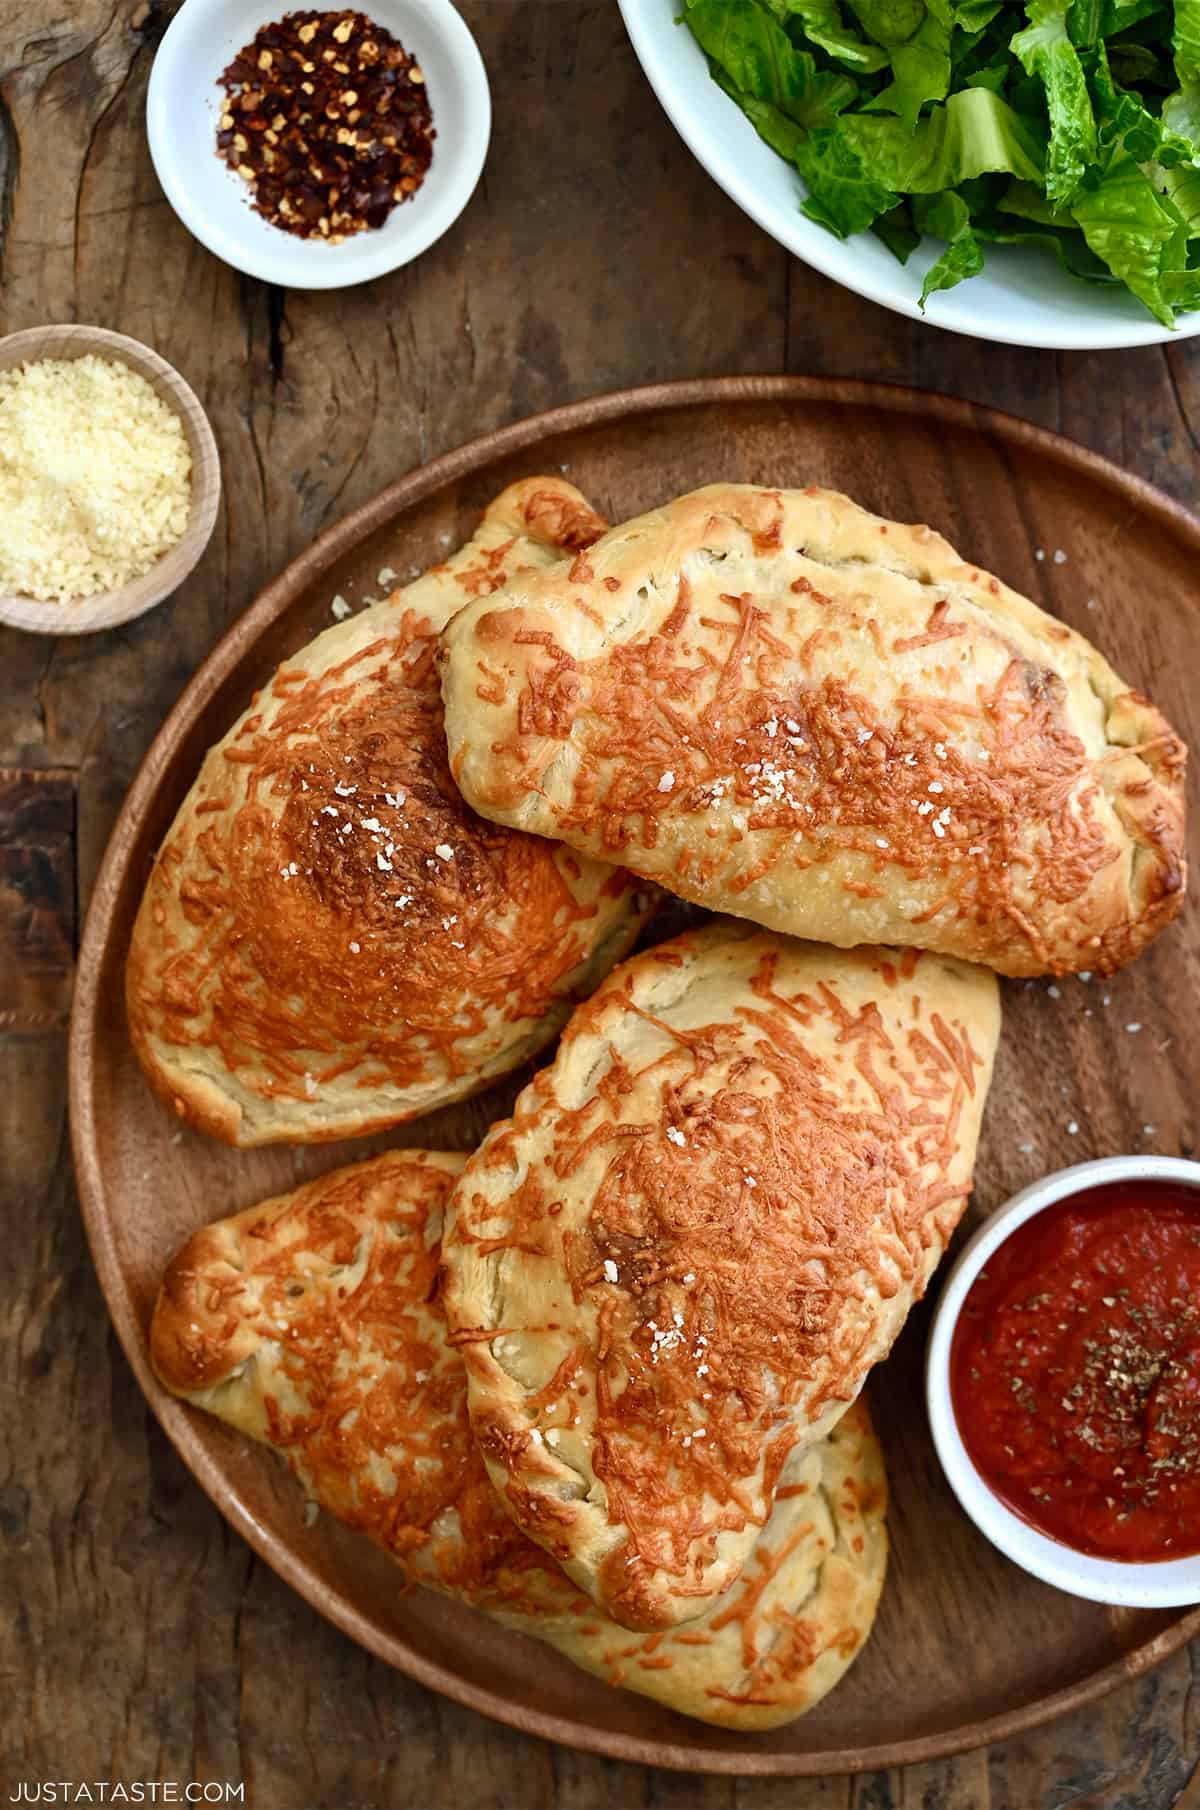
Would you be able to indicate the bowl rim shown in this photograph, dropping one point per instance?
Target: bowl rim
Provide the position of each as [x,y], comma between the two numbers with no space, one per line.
[107,609]
[826,253]
[1140,1584]
[390,252]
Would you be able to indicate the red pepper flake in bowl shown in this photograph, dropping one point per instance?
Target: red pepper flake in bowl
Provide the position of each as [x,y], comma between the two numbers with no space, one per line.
[328,121]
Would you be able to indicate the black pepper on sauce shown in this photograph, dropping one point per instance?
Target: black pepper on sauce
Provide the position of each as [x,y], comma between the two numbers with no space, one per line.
[1075,1371]
[328,121]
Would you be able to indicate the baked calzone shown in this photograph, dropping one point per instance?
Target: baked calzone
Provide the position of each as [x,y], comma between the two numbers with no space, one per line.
[330,940]
[311,1323]
[707,1218]
[778,705]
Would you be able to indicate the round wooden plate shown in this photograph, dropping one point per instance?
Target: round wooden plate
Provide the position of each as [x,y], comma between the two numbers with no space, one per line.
[966,1649]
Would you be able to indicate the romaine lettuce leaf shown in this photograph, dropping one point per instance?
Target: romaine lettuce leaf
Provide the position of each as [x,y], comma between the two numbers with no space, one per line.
[1181,289]
[889,22]
[1134,230]
[974,16]
[858,169]
[897,231]
[1090,21]
[975,131]
[1030,203]
[1068,246]
[842,194]
[1181,115]
[948,217]
[1044,49]
[1185,40]
[1181,185]
[920,66]
[1127,123]
[824,25]
[761,61]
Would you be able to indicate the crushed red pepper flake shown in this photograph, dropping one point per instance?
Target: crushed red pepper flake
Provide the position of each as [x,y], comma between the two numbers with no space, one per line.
[328,121]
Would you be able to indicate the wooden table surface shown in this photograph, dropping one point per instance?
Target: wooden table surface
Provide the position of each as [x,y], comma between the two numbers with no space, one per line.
[139,1639]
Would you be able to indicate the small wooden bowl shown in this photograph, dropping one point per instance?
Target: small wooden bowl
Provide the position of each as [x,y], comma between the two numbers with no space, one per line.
[84,615]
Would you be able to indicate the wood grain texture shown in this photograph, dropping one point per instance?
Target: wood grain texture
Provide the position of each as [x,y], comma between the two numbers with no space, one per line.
[37,898]
[139,1637]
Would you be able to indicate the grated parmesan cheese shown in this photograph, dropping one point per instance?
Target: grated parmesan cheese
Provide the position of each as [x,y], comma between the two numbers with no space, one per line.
[95,477]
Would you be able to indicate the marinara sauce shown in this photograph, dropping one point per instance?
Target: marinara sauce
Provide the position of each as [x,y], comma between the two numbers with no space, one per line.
[1075,1371]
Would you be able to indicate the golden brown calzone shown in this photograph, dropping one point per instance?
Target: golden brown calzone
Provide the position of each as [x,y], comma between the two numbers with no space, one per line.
[330,940]
[706,1220]
[777,705]
[311,1323]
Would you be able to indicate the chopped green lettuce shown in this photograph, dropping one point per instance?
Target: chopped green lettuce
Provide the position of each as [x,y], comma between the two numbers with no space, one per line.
[1070,125]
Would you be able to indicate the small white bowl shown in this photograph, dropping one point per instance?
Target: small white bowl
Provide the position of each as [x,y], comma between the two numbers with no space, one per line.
[105,609]
[183,106]
[1022,298]
[1158,1584]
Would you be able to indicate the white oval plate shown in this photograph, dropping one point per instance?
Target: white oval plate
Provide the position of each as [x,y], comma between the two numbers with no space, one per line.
[183,106]
[1022,298]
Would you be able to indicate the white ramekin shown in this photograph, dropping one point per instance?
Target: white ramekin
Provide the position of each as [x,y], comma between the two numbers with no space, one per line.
[184,102]
[1157,1584]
